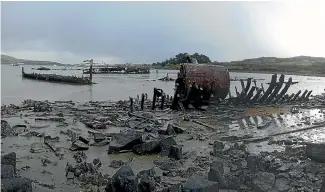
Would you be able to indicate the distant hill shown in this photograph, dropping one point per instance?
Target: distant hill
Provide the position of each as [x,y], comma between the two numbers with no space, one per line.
[8,60]
[300,64]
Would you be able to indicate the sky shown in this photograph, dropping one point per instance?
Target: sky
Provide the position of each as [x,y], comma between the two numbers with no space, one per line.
[146,32]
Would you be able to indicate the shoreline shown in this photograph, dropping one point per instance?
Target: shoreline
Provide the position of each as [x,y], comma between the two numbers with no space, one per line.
[107,134]
[262,72]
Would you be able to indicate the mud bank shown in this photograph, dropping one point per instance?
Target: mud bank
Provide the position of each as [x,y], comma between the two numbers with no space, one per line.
[103,146]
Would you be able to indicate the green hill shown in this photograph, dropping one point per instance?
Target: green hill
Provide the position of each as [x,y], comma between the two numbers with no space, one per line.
[8,60]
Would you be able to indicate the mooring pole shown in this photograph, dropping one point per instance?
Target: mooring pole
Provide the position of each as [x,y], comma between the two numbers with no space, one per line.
[91,71]
[22,71]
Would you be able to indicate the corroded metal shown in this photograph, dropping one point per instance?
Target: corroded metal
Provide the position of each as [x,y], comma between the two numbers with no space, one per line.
[214,78]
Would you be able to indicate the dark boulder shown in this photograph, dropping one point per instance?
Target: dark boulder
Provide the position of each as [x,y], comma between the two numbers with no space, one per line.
[147,148]
[263,181]
[316,152]
[166,145]
[175,152]
[145,181]
[9,159]
[16,184]
[220,172]
[7,171]
[124,180]
[124,141]
[78,146]
[197,183]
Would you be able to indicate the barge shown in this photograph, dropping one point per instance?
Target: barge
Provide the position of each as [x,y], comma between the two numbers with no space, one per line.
[58,78]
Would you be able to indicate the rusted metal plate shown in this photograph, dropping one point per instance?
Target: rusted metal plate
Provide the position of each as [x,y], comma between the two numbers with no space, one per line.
[213,77]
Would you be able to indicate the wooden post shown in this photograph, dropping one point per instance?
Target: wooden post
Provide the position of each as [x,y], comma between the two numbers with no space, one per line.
[91,71]
[22,71]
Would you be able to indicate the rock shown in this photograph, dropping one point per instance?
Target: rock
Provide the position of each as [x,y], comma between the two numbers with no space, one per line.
[256,163]
[116,163]
[218,147]
[170,130]
[145,181]
[198,183]
[175,152]
[83,139]
[316,152]
[175,188]
[121,141]
[9,159]
[109,185]
[6,130]
[263,181]
[78,146]
[124,180]
[99,137]
[7,171]
[16,184]
[285,167]
[167,164]
[101,143]
[70,175]
[147,148]
[322,188]
[222,174]
[166,145]
[281,185]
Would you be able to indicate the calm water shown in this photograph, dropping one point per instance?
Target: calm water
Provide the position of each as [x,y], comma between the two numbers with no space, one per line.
[15,89]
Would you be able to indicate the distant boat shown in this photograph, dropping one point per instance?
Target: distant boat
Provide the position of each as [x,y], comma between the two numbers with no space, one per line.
[17,64]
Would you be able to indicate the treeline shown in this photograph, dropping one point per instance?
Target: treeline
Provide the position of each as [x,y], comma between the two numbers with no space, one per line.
[181,58]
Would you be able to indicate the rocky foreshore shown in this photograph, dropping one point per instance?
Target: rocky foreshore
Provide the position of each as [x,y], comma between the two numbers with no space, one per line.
[105,146]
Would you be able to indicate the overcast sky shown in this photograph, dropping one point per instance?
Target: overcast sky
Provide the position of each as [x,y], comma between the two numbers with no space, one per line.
[146,32]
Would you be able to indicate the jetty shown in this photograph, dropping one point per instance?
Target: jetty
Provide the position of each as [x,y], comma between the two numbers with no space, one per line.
[74,80]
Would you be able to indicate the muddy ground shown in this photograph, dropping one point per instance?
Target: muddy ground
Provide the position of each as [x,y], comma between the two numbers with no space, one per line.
[68,146]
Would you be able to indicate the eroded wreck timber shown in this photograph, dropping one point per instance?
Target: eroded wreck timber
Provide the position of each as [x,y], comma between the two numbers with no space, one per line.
[58,78]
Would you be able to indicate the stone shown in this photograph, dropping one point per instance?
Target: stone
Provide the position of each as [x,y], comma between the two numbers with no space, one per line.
[9,159]
[122,141]
[221,173]
[70,175]
[263,181]
[145,181]
[166,145]
[147,148]
[16,184]
[256,163]
[197,183]
[109,185]
[83,139]
[78,146]
[284,168]
[176,188]
[124,180]
[316,152]
[7,171]
[322,188]
[167,164]
[170,130]
[281,185]
[99,137]
[116,163]
[176,152]
[6,130]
